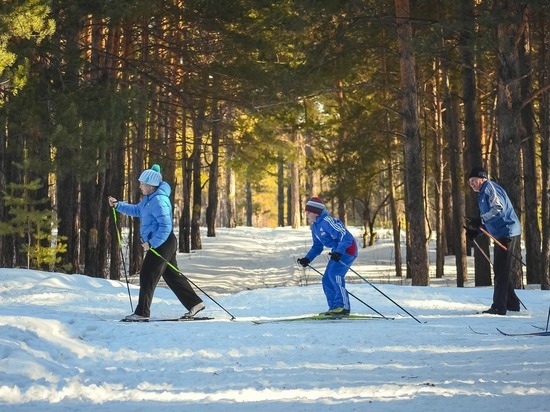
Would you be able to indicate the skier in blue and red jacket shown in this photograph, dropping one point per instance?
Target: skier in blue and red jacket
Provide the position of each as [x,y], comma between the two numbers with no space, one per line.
[330,232]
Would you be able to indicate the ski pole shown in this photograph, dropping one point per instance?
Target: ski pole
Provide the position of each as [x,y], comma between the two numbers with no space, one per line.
[122,257]
[351,294]
[482,252]
[480,249]
[383,294]
[548,319]
[190,281]
[501,245]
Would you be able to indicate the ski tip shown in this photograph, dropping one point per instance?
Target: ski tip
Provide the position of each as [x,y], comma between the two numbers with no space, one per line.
[477,332]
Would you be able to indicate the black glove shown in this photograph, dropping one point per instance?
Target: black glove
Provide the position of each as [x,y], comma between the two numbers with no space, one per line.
[472,233]
[336,256]
[304,262]
[474,222]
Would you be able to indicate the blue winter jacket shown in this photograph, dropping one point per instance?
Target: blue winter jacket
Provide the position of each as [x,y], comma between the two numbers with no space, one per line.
[155,213]
[330,232]
[496,211]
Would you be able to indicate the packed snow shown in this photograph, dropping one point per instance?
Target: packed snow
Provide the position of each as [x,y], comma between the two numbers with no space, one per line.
[62,347]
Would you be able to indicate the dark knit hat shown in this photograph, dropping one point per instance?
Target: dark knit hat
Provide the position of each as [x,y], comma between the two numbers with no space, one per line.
[478,172]
[315,205]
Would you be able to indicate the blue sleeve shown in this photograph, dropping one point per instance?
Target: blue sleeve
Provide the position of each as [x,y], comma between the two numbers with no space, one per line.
[316,248]
[129,209]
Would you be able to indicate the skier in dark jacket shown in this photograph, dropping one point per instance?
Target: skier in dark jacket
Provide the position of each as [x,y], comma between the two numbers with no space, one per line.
[498,217]
[330,232]
[155,213]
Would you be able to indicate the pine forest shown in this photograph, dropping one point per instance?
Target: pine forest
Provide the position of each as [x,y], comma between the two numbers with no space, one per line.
[250,107]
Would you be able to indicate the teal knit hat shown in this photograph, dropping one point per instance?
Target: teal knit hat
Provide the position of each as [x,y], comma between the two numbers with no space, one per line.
[152,176]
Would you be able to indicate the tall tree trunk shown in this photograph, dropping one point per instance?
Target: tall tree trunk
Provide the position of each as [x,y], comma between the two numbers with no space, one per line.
[93,184]
[231,190]
[114,176]
[68,210]
[396,224]
[137,158]
[531,229]
[248,188]
[6,241]
[295,196]
[185,219]
[340,155]
[294,211]
[214,172]
[198,130]
[67,186]
[134,195]
[417,256]
[280,190]
[543,65]
[289,196]
[509,101]
[457,178]
[184,235]
[472,131]
[115,172]
[90,230]
[392,142]
[435,133]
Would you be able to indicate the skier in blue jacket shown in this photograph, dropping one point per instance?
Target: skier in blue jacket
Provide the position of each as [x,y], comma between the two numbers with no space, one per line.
[498,217]
[156,231]
[330,232]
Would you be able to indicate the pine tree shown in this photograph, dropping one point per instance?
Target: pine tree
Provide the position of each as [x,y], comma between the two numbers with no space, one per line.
[32,221]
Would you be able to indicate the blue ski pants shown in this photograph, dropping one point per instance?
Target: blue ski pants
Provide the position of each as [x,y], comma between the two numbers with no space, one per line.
[334,283]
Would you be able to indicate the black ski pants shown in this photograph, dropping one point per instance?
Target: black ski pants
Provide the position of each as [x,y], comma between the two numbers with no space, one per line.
[153,268]
[504,295]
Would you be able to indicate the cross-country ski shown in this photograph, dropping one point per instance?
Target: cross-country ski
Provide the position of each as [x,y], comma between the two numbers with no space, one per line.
[320,318]
[182,319]
[541,333]
[538,333]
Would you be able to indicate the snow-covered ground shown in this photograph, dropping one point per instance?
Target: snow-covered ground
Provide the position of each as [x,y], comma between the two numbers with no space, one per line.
[63,349]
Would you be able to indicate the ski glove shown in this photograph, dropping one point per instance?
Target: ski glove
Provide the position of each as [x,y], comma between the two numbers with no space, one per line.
[336,256]
[472,233]
[474,222]
[304,262]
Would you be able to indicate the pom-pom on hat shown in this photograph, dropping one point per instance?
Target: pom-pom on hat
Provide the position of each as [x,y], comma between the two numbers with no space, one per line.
[315,205]
[152,176]
[478,172]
